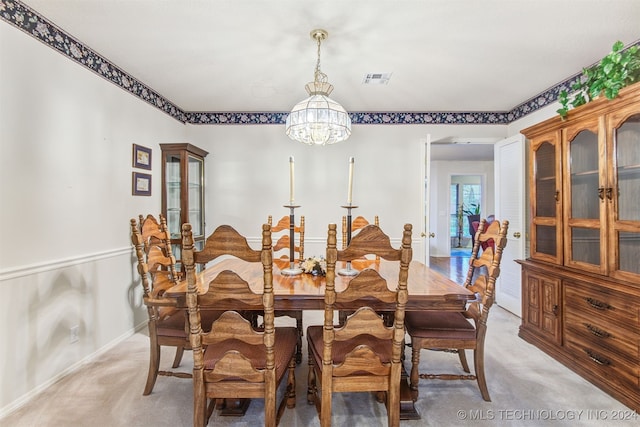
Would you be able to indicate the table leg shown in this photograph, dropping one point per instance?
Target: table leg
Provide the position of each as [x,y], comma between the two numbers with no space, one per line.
[407,407]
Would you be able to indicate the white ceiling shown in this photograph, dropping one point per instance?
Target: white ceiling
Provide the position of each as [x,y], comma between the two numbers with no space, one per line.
[257,55]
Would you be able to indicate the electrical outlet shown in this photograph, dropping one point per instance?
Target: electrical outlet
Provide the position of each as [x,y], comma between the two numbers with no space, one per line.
[74,334]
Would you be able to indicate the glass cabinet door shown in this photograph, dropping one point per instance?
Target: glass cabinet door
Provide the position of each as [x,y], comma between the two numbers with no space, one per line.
[623,195]
[546,232]
[183,192]
[172,193]
[585,199]
[196,195]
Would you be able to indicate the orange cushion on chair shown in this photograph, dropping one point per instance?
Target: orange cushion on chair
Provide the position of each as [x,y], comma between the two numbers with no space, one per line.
[439,324]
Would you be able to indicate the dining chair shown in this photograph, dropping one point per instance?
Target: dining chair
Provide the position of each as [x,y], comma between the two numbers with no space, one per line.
[459,331]
[364,354]
[282,247]
[156,266]
[357,224]
[474,230]
[233,359]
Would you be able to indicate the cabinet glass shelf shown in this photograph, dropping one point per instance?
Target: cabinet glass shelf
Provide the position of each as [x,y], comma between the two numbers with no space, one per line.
[183,192]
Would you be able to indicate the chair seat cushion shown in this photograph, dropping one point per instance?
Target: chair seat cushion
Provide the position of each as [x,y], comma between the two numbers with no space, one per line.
[439,324]
[176,324]
[341,348]
[285,347]
[172,326]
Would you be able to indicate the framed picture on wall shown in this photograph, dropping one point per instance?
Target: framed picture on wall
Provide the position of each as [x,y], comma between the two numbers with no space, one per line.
[141,157]
[141,184]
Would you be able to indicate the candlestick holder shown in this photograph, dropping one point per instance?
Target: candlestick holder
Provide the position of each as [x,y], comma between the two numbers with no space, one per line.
[293,270]
[348,271]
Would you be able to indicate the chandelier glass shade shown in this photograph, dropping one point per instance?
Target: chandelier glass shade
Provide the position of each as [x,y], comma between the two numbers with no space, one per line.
[318,120]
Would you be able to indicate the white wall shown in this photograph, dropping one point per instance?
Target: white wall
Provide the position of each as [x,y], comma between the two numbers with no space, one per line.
[65,195]
[247,176]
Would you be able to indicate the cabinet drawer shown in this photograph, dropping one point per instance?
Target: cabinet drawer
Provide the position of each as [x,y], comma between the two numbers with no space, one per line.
[610,366]
[595,302]
[599,333]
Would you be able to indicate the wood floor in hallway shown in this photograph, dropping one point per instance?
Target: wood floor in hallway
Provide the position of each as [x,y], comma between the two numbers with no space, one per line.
[454,267]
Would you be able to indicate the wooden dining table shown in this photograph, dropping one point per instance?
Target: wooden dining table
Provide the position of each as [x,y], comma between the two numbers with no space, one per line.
[428,290]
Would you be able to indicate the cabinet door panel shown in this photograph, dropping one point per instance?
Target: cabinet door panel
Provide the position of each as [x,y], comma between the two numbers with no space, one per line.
[585,245]
[624,193]
[584,149]
[541,309]
[546,204]
[173,184]
[546,239]
[196,195]
[628,255]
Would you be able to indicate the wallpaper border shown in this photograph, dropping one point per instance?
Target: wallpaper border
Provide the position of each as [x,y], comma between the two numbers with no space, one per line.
[21,16]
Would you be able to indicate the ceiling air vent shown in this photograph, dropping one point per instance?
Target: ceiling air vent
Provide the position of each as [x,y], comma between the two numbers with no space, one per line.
[376,79]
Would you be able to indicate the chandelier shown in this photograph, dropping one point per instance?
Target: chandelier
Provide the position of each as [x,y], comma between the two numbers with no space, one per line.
[318,120]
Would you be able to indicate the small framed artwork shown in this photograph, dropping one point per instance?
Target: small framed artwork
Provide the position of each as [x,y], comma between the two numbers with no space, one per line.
[141,184]
[141,157]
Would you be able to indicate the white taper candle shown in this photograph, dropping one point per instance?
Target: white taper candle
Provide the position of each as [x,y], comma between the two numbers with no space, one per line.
[350,191]
[291,182]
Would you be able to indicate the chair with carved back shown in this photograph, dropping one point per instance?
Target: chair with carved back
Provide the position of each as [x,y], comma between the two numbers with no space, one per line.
[156,266]
[459,331]
[475,225]
[234,359]
[357,224]
[282,245]
[281,232]
[365,354]
[154,231]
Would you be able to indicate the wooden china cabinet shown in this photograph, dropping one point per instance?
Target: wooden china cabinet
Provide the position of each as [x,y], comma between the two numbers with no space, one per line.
[581,284]
[183,192]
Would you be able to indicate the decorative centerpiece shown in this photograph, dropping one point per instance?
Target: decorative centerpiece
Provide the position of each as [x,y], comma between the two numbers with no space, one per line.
[316,266]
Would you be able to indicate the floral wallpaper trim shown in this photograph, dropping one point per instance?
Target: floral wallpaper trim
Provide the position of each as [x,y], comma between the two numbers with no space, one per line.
[29,21]
[358,118]
[21,16]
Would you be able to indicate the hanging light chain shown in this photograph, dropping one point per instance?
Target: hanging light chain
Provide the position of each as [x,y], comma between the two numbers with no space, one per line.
[319,76]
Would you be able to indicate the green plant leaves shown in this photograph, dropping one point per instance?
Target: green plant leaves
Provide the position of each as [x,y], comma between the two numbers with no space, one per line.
[618,69]
[617,46]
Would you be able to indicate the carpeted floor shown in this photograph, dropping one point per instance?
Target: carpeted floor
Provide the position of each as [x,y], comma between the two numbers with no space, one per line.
[527,388]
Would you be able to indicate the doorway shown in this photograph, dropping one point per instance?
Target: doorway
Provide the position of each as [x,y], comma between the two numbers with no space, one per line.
[465,201]
[445,160]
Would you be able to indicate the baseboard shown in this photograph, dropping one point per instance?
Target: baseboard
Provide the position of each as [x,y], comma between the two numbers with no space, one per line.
[24,399]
